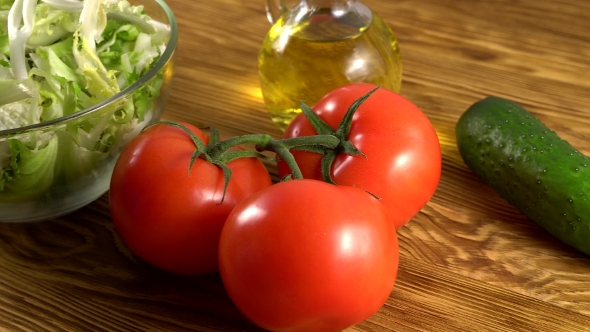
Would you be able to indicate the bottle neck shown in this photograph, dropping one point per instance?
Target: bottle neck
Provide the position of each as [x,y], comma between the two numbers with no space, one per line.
[329,19]
[335,4]
[336,7]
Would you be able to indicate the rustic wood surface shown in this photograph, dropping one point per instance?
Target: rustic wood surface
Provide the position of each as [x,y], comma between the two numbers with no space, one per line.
[470,261]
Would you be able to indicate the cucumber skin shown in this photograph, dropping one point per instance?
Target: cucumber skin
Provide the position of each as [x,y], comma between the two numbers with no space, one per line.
[530,166]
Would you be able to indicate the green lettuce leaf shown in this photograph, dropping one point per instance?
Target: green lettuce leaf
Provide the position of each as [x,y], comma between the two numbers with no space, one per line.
[31,170]
[6,4]
[12,91]
[77,161]
[19,114]
[51,25]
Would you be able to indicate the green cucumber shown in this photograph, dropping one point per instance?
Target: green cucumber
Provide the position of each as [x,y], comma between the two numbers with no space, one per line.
[530,166]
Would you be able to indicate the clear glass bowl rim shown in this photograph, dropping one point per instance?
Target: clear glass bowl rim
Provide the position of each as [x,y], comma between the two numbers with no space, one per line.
[164,58]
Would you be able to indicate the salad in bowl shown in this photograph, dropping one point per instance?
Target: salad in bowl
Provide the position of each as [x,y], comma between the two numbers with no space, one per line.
[78,80]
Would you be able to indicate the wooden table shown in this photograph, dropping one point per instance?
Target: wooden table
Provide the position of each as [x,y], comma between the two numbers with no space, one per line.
[469,261]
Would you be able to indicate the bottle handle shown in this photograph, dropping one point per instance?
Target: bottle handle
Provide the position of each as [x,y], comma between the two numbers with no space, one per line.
[275,9]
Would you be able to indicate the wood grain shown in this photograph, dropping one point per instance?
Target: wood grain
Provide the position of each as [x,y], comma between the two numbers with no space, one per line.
[470,261]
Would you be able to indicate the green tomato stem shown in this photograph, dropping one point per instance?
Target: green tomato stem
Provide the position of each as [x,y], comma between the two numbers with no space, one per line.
[341,134]
[328,142]
[265,142]
[344,127]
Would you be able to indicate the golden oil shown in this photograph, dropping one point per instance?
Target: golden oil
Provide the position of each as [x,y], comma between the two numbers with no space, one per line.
[303,61]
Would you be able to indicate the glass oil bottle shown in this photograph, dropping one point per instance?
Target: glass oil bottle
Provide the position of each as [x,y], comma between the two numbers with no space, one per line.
[319,45]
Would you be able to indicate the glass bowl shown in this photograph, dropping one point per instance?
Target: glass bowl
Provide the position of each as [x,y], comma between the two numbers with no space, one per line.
[55,167]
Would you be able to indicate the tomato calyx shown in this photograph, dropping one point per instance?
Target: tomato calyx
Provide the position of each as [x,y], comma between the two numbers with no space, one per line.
[341,133]
[328,142]
[212,153]
[220,152]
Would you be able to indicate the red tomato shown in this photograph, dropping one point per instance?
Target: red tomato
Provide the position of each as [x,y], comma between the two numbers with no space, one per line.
[403,158]
[305,255]
[168,217]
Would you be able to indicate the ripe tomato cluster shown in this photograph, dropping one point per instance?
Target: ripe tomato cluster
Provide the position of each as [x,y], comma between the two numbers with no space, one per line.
[318,252]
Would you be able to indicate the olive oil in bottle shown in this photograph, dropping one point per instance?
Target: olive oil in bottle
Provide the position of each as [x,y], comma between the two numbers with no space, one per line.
[310,50]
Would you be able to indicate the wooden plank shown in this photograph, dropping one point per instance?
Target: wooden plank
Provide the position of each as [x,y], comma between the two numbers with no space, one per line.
[436,299]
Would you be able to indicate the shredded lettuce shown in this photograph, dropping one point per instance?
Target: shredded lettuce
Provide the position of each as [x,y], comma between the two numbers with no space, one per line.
[31,169]
[61,56]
